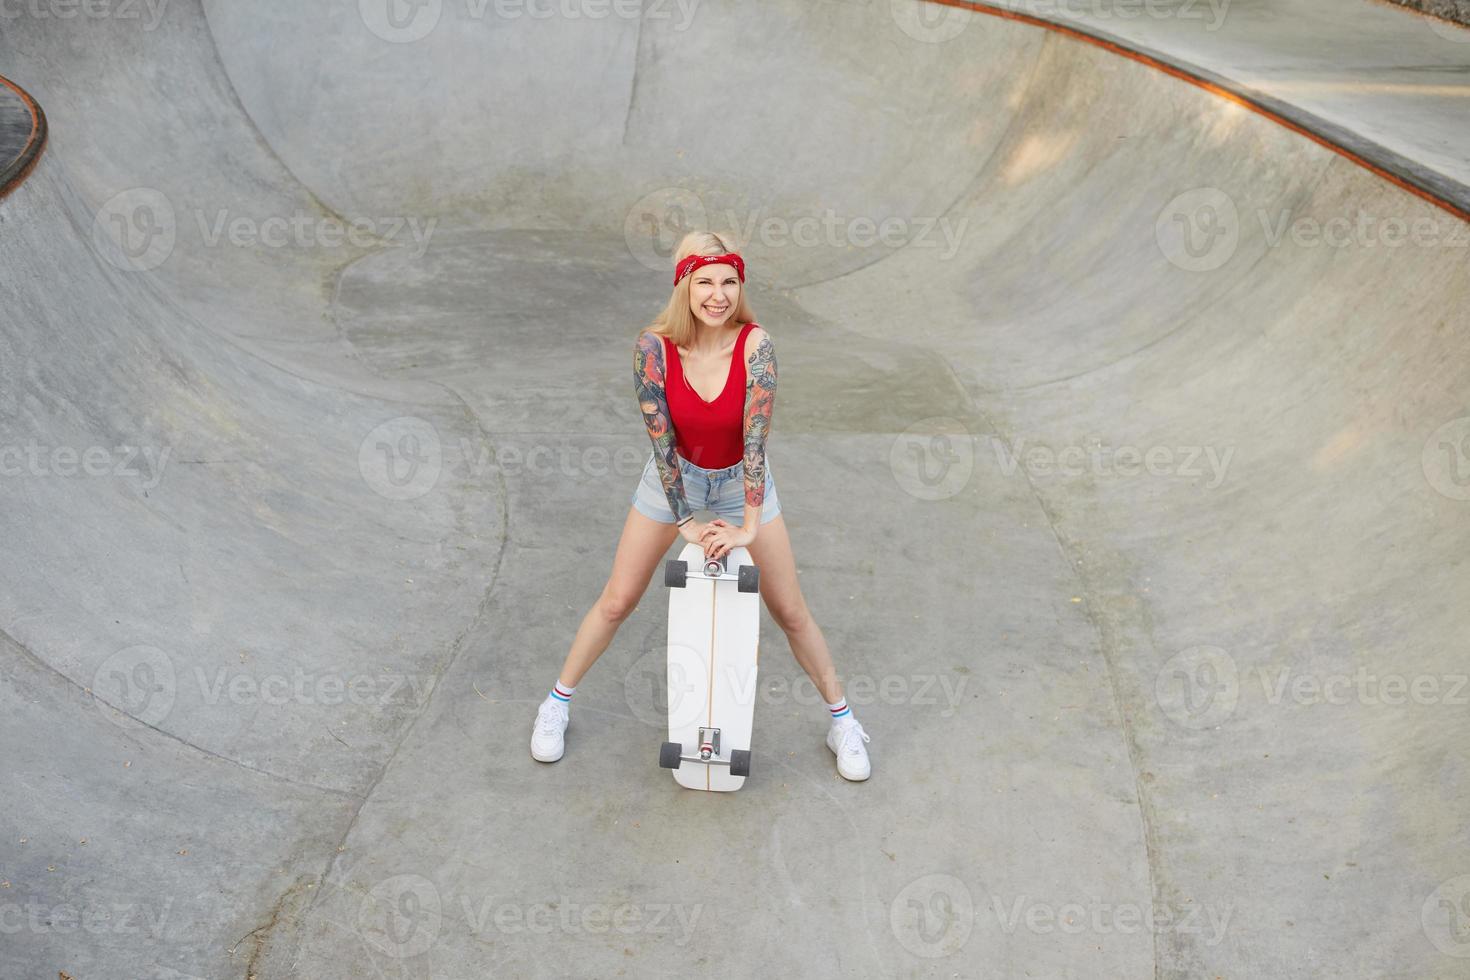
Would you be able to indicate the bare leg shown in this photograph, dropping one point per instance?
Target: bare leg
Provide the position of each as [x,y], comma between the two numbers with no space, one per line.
[643,543]
[771,551]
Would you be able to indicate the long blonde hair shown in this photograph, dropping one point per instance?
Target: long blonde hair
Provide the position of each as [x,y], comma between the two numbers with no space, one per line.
[677,321]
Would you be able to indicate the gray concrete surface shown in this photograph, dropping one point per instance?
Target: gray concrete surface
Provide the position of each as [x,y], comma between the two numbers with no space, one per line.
[1128,477]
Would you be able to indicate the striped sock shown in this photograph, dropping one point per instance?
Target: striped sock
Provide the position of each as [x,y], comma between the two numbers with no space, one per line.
[839,710]
[561,692]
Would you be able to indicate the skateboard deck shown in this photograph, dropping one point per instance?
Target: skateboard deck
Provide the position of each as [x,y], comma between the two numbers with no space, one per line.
[714,632]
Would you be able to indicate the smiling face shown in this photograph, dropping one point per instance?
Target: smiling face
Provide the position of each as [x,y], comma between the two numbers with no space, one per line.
[714,293]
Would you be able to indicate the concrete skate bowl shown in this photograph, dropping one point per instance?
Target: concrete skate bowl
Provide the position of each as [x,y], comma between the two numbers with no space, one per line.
[1132,508]
[22,134]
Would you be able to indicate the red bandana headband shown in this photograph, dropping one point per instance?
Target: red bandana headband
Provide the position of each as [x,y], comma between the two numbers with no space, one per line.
[692,262]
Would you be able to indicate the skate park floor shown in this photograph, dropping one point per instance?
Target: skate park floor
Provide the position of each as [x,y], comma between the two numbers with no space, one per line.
[1123,441]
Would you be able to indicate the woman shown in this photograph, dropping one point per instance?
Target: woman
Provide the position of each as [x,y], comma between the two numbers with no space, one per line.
[708,453]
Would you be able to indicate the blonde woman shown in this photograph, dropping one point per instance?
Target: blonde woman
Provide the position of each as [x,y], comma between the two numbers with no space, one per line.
[709,453]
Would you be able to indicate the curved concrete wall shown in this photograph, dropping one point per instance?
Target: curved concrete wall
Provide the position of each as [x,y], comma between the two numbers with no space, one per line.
[1086,255]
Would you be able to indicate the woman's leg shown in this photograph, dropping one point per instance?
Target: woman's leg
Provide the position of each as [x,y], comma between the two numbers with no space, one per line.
[771,551]
[643,543]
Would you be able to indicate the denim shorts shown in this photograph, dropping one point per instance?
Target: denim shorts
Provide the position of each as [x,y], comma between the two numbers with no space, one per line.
[722,491]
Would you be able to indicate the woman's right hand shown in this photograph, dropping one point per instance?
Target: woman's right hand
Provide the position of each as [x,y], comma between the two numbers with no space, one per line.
[694,531]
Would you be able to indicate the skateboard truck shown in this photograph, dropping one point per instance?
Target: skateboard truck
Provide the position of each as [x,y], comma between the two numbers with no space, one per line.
[676,574]
[672,753]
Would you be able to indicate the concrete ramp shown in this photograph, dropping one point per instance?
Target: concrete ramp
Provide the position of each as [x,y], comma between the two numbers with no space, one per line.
[1123,441]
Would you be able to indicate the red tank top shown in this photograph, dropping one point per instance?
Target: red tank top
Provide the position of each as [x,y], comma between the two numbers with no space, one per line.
[708,434]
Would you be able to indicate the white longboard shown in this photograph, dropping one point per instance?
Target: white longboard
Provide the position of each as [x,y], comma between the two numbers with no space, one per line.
[714,633]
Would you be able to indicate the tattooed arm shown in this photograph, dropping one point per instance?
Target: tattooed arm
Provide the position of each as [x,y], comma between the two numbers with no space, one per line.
[648,381]
[760,399]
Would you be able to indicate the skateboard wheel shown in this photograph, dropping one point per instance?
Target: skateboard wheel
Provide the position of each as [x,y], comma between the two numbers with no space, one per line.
[750,579]
[668,755]
[740,762]
[675,572]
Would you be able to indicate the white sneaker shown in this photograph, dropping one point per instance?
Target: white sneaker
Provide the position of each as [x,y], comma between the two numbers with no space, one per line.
[846,739]
[552,719]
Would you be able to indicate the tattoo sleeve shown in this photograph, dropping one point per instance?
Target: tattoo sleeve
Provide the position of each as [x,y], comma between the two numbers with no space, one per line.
[648,381]
[760,399]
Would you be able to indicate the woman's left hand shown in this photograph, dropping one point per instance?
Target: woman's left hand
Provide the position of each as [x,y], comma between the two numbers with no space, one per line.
[720,537]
